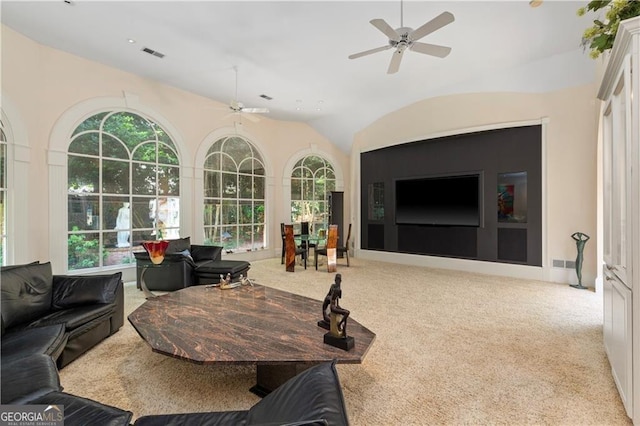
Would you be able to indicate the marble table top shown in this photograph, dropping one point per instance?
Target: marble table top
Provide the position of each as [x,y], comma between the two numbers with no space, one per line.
[245,325]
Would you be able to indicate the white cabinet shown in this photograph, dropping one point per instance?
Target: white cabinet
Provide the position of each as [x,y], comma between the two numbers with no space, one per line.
[620,132]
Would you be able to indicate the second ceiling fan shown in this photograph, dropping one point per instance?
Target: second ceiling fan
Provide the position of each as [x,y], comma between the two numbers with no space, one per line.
[404,38]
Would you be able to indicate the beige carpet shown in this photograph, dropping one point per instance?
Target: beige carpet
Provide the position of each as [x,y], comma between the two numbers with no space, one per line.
[452,348]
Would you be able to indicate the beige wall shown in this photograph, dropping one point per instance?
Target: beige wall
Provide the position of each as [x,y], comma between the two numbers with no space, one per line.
[570,159]
[45,84]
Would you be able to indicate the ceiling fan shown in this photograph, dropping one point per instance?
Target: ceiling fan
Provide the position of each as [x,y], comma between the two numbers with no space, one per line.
[238,107]
[405,37]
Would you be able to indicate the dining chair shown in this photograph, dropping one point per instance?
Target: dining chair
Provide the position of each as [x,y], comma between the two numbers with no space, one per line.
[292,250]
[340,250]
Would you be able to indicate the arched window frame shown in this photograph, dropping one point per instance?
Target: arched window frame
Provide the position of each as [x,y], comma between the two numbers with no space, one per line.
[312,178]
[57,165]
[120,195]
[235,218]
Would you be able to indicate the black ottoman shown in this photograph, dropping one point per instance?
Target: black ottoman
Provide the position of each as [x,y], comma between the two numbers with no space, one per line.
[209,272]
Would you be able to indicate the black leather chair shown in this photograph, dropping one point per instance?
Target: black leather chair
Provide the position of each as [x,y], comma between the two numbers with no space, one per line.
[187,264]
[342,251]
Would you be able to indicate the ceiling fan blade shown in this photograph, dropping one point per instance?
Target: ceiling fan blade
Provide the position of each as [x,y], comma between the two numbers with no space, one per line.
[430,49]
[254,118]
[382,25]
[436,23]
[369,52]
[256,110]
[394,65]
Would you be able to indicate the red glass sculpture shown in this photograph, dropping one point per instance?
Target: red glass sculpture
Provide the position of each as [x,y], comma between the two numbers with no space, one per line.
[156,250]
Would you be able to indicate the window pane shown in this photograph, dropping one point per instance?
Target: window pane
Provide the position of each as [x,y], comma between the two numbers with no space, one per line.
[113,148]
[297,172]
[91,123]
[238,149]
[319,190]
[130,128]
[115,255]
[228,165]
[211,183]
[110,209]
[145,152]
[246,184]
[330,185]
[86,143]
[296,189]
[3,165]
[246,166]
[140,236]
[143,212]
[258,168]
[307,189]
[246,212]
[229,237]
[83,250]
[330,174]
[83,212]
[144,177]
[83,174]
[167,215]
[212,236]
[258,188]
[166,155]
[168,180]
[115,177]
[212,212]
[258,237]
[258,213]
[213,162]
[246,238]
[229,212]
[296,211]
[229,185]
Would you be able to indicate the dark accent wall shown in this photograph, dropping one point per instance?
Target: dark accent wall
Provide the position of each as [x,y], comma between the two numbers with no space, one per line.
[489,153]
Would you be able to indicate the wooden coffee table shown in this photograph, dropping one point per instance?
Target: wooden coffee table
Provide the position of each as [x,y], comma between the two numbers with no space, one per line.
[273,329]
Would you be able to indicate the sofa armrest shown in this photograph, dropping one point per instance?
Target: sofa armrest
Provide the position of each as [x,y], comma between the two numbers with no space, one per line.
[70,290]
[200,253]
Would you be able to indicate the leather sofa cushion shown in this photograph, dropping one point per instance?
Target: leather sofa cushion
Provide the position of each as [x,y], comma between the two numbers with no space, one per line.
[70,291]
[75,317]
[26,293]
[49,340]
[179,245]
[311,395]
[222,418]
[80,411]
[27,378]
[200,253]
[217,267]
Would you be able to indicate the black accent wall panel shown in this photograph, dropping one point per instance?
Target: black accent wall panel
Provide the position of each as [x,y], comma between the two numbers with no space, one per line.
[512,244]
[488,153]
[375,236]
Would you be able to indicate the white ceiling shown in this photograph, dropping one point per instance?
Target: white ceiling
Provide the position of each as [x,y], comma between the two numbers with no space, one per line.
[296,51]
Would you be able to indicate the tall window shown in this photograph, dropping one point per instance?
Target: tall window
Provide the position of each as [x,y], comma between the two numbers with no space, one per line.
[123,188]
[234,195]
[311,179]
[3,194]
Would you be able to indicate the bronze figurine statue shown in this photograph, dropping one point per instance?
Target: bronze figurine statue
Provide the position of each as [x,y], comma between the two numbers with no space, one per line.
[334,318]
[581,239]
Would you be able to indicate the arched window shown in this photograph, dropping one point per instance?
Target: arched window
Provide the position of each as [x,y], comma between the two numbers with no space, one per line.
[123,188]
[234,195]
[3,195]
[311,179]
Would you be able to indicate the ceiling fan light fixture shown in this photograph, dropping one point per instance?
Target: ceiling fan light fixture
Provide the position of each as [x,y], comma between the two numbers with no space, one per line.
[535,3]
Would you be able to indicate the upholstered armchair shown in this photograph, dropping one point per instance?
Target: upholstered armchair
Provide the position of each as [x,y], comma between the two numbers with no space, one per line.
[177,270]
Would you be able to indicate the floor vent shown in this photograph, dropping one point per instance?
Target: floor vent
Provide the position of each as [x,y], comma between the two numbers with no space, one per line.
[153,52]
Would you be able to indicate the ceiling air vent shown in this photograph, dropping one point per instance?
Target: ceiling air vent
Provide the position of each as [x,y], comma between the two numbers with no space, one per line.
[153,52]
[267,97]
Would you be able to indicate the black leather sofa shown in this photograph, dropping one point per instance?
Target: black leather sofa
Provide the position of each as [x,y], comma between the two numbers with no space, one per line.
[187,264]
[313,397]
[47,322]
[31,345]
[68,314]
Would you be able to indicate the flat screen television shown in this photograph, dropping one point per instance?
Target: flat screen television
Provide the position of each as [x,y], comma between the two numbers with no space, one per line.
[442,200]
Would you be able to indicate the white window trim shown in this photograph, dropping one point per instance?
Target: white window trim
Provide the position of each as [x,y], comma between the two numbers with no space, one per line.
[57,164]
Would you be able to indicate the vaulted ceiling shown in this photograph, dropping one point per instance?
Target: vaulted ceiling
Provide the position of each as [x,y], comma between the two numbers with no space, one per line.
[296,52]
